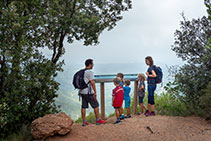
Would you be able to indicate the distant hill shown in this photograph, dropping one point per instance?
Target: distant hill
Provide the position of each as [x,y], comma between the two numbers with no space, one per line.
[68,96]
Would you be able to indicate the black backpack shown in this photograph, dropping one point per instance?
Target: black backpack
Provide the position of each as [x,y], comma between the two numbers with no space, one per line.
[78,80]
[159,74]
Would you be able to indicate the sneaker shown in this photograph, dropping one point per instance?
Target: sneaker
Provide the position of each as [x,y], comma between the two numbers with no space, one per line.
[85,123]
[118,121]
[128,116]
[152,114]
[138,113]
[100,122]
[122,117]
[147,113]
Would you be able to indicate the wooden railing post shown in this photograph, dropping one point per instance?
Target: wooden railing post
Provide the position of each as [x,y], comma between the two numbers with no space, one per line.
[135,97]
[102,100]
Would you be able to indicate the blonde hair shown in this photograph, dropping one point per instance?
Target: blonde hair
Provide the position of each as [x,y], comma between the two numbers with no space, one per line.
[142,76]
[116,80]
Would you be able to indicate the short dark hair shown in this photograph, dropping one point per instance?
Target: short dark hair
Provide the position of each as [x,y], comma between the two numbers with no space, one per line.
[127,82]
[116,80]
[88,62]
[121,75]
[149,58]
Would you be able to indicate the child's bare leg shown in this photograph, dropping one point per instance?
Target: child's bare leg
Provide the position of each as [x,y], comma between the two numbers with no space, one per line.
[121,111]
[148,107]
[141,105]
[153,108]
[117,113]
[144,107]
[128,111]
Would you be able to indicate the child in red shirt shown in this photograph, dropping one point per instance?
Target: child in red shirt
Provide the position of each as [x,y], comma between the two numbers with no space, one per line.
[117,98]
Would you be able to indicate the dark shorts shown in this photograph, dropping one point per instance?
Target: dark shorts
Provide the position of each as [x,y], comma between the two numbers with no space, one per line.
[151,90]
[89,98]
[117,107]
[141,99]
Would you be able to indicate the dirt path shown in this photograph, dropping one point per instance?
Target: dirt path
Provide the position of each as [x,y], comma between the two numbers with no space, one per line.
[138,128]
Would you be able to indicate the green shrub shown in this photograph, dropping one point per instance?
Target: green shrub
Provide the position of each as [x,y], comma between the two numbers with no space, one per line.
[166,104]
[90,118]
[23,135]
[193,45]
[205,102]
[112,114]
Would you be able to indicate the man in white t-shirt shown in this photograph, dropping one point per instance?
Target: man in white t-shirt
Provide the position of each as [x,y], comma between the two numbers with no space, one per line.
[89,94]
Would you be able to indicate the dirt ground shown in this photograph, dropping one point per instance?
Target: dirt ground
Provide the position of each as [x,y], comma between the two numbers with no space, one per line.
[138,128]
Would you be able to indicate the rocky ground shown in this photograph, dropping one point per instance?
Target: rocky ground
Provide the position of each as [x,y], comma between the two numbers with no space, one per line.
[138,128]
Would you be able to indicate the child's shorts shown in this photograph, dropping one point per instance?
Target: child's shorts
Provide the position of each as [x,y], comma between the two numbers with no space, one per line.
[127,103]
[141,99]
[117,107]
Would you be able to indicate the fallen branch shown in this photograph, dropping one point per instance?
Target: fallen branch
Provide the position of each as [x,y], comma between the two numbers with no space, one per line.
[149,129]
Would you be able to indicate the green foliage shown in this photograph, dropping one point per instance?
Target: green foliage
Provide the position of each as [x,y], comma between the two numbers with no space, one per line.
[113,114]
[192,45]
[208,4]
[167,104]
[27,79]
[23,134]
[90,118]
[205,102]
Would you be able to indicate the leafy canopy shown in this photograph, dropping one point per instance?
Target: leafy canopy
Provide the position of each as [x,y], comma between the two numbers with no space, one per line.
[27,78]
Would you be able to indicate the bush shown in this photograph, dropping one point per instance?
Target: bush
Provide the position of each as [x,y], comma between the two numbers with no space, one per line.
[205,102]
[23,135]
[28,96]
[167,104]
[90,118]
[193,45]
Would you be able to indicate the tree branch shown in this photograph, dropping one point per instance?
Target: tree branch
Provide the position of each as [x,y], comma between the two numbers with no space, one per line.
[57,55]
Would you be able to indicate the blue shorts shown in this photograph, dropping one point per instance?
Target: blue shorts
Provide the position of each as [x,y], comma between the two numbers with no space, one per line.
[141,99]
[127,103]
[151,90]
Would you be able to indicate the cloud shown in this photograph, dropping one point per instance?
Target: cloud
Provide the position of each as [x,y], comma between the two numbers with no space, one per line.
[147,29]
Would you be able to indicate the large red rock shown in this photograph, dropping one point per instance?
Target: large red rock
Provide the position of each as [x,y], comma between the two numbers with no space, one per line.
[50,125]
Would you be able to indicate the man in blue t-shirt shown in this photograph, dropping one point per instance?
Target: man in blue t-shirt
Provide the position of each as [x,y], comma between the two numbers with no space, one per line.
[127,90]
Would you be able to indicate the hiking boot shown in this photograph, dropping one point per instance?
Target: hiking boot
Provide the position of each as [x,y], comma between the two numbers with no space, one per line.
[85,123]
[100,122]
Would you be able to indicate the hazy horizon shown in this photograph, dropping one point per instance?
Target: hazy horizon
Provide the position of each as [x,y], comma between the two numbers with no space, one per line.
[145,30]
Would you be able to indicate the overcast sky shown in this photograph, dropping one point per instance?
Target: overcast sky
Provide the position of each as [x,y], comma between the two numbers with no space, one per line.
[147,29]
